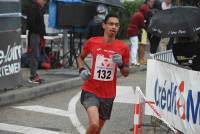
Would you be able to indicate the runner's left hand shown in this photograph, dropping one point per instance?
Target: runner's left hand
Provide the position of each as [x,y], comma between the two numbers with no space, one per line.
[85,74]
[117,58]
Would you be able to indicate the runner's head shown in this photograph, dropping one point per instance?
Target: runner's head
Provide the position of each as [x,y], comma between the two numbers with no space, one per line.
[111,25]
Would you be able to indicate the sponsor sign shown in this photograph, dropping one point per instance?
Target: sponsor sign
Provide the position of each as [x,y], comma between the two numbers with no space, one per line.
[176,93]
[10,57]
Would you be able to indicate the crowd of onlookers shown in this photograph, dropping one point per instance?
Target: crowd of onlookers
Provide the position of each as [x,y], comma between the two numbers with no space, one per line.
[187,47]
[137,31]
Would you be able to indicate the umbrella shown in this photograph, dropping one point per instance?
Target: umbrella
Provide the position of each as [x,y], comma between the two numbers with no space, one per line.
[176,22]
[69,1]
[115,3]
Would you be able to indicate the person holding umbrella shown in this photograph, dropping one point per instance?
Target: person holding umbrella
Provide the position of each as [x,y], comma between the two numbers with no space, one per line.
[155,7]
[94,27]
[166,43]
[99,88]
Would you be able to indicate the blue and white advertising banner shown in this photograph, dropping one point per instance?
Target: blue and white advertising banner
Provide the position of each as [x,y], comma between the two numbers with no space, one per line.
[176,93]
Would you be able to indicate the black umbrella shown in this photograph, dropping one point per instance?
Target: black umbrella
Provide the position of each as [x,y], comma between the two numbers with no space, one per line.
[115,3]
[176,22]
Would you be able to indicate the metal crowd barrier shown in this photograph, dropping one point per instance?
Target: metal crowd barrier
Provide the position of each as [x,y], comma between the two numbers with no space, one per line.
[166,56]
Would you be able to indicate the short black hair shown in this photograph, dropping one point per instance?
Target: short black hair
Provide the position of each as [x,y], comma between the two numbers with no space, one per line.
[109,16]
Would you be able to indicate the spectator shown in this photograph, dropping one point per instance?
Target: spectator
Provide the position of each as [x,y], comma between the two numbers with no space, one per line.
[155,6]
[99,88]
[186,51]
[165,43]
[135,26]
[36,42]
[142,44]
[166,4]
[94,27]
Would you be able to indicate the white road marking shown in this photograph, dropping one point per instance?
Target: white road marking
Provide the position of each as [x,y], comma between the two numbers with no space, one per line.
[73,116]
[71,113]
[46,110]
[125,94]
[25,130]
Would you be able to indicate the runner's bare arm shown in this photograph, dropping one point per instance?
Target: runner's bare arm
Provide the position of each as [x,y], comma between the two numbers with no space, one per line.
[80,60]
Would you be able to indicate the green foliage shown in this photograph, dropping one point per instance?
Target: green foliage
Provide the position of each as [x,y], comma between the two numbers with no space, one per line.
[130,8]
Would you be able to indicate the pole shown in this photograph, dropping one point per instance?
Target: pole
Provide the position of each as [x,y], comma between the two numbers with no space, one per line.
[137,110]
[65,46]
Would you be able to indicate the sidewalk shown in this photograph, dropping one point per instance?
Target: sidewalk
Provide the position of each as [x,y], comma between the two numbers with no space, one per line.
[55,80]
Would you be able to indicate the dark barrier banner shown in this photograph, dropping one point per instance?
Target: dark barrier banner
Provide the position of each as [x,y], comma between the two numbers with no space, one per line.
[10,44]
[10,59]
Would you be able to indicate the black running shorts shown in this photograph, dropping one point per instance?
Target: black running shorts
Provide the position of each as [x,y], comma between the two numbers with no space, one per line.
[104,104]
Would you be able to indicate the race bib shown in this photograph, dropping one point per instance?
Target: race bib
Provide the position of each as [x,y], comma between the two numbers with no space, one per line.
[104,69]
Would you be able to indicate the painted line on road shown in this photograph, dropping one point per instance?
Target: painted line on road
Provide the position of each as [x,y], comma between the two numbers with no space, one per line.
[46,110]
[71,113]
[25,130]
[125,94]
[73,117]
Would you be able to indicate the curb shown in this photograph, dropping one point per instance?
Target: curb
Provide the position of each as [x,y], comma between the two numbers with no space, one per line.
[15,96]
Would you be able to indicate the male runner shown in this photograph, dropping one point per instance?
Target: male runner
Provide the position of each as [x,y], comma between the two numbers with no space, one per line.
[99,88]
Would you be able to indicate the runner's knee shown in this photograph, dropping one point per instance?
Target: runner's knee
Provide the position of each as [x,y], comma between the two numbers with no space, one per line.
[95,127]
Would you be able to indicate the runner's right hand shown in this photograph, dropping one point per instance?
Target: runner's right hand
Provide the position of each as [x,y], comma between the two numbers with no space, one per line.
[85,74]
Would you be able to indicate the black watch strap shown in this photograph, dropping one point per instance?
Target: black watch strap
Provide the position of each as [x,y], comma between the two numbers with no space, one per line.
[81,69]
[123,65]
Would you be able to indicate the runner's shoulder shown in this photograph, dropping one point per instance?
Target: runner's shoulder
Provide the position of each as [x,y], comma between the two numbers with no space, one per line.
[122,43]
[96,39]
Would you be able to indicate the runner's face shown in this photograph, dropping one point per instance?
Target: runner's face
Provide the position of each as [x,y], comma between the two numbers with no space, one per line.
[111,27]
